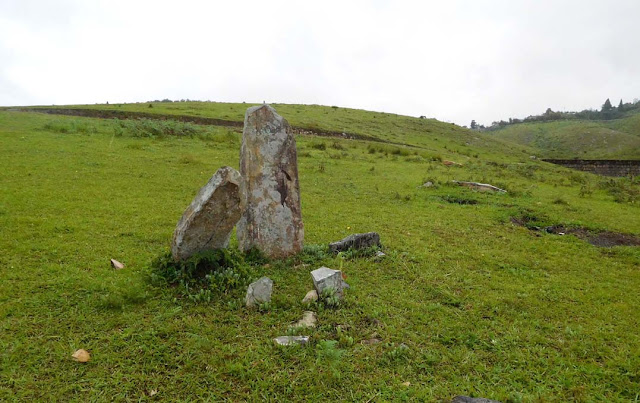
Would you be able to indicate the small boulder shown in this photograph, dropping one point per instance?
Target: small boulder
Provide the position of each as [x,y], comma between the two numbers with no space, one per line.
[325,278]
[291,340]
[312,296]
[356,241]
[427,184]
[259,292]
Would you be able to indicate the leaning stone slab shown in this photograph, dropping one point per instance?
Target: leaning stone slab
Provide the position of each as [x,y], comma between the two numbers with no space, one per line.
[272,219]
[326,278]
[259,292]
[208,221]
[291,340]
[356,241]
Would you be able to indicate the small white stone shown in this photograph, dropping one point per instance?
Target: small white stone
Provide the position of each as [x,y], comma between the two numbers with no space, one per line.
[309,319]
[312,296]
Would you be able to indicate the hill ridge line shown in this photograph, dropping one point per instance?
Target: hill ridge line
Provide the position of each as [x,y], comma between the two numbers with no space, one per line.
[115,114]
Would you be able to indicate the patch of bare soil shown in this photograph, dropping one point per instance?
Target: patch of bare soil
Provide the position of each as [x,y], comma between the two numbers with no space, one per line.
[111,114]
[603,239]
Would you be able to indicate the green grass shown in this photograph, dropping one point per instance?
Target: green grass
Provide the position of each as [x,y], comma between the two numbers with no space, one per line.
[615,139]
[464,303]
[426,135]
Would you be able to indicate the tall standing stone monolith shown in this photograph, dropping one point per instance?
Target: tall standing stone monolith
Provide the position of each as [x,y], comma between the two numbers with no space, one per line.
[208,221]
[272,220]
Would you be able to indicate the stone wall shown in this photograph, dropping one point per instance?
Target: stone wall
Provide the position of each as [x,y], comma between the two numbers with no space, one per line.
[602,167]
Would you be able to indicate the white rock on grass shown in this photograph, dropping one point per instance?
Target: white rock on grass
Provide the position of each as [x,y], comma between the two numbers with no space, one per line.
[309,319]
[291,340]
[312,296]
[325,278]
[116,265]
[259,292]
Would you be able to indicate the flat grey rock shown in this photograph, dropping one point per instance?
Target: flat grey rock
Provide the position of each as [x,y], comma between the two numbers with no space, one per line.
[467,399]
[291,340]
[272,219]
[208,221]
[356,241]
[326,278]
[259,292]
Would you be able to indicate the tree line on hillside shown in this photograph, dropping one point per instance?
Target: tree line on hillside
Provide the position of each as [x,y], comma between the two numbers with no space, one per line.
[606,112]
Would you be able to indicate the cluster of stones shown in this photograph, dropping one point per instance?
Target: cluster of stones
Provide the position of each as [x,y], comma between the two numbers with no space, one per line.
[263,199]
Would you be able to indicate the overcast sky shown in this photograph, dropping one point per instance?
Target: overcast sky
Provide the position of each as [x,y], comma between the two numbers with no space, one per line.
[451,60]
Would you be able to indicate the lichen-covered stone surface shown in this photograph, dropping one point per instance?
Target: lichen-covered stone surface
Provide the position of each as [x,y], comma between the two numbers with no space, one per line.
[325,278]
[259,292]
[356,241]
[208,221]
[272,220]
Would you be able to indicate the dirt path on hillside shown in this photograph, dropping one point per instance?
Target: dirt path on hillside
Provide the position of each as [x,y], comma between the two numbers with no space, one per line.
[114,114]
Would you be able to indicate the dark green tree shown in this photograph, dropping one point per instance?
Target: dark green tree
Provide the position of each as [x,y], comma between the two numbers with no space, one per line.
[607,106]
[620,106]
[474,125]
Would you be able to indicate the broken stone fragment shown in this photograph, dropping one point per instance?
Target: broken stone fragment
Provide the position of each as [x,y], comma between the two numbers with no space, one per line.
[482,187]
[208,221]
[291,340]
[325,278]
[116,265]
[272,219]
[259,292]
[356,241]
[309,319]
[467,399]
[312,296]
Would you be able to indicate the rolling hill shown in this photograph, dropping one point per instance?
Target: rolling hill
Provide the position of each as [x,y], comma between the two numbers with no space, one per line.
[528,295]
[584,139]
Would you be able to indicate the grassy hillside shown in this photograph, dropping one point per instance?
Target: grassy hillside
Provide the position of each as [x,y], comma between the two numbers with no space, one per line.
[467,301]
[428,135]
[615,139]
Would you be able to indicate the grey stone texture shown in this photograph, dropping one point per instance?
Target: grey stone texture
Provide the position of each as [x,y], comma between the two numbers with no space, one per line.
[311,296]
[272,219]
[356,241]
[291,340]
[259,292]
[208,221]
[324,278]
[309,319]
[467,399]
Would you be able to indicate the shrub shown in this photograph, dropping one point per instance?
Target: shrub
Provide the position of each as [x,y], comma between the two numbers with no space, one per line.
[158,128]
[204,275]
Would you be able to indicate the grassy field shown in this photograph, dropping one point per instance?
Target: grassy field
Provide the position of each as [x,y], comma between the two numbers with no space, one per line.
[614,139]
[465,302]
